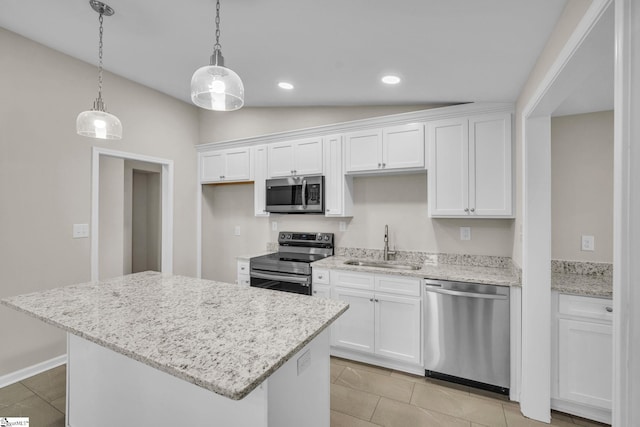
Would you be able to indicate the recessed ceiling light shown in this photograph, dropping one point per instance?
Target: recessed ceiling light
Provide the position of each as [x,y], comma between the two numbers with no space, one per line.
[285,85]
[391,80]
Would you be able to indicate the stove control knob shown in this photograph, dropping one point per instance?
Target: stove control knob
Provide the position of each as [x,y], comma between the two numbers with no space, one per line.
[319,237]
[282,236]
[326,237]
[288,236]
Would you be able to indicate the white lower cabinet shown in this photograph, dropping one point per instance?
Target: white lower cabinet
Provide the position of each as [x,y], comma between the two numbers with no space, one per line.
[383,323]
[582,356]
[243,273]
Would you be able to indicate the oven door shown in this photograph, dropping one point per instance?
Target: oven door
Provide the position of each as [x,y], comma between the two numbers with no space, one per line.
[281,282]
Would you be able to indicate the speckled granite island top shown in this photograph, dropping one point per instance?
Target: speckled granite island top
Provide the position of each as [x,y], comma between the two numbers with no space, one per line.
[582,284]
[222,337]
[462,273]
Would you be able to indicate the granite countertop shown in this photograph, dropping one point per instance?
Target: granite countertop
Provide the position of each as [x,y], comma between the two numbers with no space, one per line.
[222,337]
[461,273]
[583,284]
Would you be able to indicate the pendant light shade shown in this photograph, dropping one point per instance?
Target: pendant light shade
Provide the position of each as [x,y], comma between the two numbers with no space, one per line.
[97,122]
[214,86]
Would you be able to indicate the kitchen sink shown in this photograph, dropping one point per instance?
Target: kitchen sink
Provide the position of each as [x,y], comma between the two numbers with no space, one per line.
[383,264]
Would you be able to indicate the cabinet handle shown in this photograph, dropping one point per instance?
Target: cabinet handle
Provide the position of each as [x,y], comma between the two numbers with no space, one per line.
[384,165]
[315,292]
[295,171]
[609,309]
[371,299]
[473,209]
[319,276]
[379,165]
[466,209]
[241,268]
[376,300]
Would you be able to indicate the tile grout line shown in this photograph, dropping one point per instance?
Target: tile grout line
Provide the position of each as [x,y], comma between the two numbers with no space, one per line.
[374,409]
[35,393]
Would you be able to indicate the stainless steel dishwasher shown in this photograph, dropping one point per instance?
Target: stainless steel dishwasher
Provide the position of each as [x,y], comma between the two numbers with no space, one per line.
[466,333]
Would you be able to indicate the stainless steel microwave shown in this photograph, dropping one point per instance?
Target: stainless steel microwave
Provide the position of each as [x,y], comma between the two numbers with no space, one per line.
[296,194]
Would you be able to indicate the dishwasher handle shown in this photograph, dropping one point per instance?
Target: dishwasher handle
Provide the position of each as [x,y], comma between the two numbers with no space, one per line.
[438,290]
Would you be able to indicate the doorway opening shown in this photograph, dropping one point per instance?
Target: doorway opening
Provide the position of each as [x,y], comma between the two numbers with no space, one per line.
[131,214]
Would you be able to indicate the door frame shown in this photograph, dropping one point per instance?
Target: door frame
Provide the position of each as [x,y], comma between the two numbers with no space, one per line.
[166,263]
[557,83]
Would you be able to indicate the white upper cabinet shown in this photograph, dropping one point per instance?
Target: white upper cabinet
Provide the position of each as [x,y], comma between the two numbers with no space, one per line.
[338,188]
[394,148]
[403,147]
[293,158]
[229,165]
[259,179]
[470,167]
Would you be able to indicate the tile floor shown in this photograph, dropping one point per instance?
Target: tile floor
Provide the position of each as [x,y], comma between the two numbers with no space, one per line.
[361,396]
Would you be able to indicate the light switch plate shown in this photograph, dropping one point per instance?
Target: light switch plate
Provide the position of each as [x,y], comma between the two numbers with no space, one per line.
[236,230]
[343,226]
[274,225]
[588,243]
[465,233]
[80,231]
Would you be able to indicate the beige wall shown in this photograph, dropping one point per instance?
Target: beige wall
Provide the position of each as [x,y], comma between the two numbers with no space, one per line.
[45,178]
[571,16]
[397,200]
[582,185]
[111,259]
[248,122]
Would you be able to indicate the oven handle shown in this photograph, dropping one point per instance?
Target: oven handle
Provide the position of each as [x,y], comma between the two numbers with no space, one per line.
[304,193]
[302,280]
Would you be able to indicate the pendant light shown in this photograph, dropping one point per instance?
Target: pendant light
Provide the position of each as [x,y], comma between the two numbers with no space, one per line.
[97,123]
[214,86]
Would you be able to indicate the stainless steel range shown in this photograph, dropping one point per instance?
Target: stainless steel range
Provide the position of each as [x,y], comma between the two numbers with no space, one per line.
[289,269]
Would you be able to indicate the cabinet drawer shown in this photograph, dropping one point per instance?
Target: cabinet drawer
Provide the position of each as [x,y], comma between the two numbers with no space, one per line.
[588,307]
[397,285]
[244,279]
[243,267]
[350,279]
[320,276]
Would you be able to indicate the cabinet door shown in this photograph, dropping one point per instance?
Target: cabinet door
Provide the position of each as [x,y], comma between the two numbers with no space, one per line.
[448,176]
[338,199]
[363,151]
[308,157]
[259,181]
[212,167]
[354,329]
[585,360]
[281,156]
[397,327]
[490,174]
[323,291]
[237,165]
[403,147]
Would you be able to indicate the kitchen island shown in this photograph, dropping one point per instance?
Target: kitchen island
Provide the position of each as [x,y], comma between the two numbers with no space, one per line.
[152,349]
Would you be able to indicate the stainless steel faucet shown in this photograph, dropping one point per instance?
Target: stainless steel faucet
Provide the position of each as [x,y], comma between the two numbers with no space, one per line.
[387,252]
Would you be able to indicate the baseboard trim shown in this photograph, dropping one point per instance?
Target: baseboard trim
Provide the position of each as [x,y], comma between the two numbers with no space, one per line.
[32,370]
[584,411]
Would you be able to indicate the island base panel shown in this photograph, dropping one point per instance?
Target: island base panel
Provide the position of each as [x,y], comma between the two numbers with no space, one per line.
[104,386]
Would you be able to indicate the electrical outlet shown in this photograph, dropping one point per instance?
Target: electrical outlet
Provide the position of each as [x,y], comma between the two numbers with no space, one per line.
[236,230]
[274,225]
[465,233]
[343,226]
[80,231]
[588,243]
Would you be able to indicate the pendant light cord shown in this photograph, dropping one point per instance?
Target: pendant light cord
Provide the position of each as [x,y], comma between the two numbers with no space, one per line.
[217,45]
[100,19]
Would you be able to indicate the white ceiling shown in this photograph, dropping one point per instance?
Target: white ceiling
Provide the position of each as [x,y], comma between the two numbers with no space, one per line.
[333,51]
